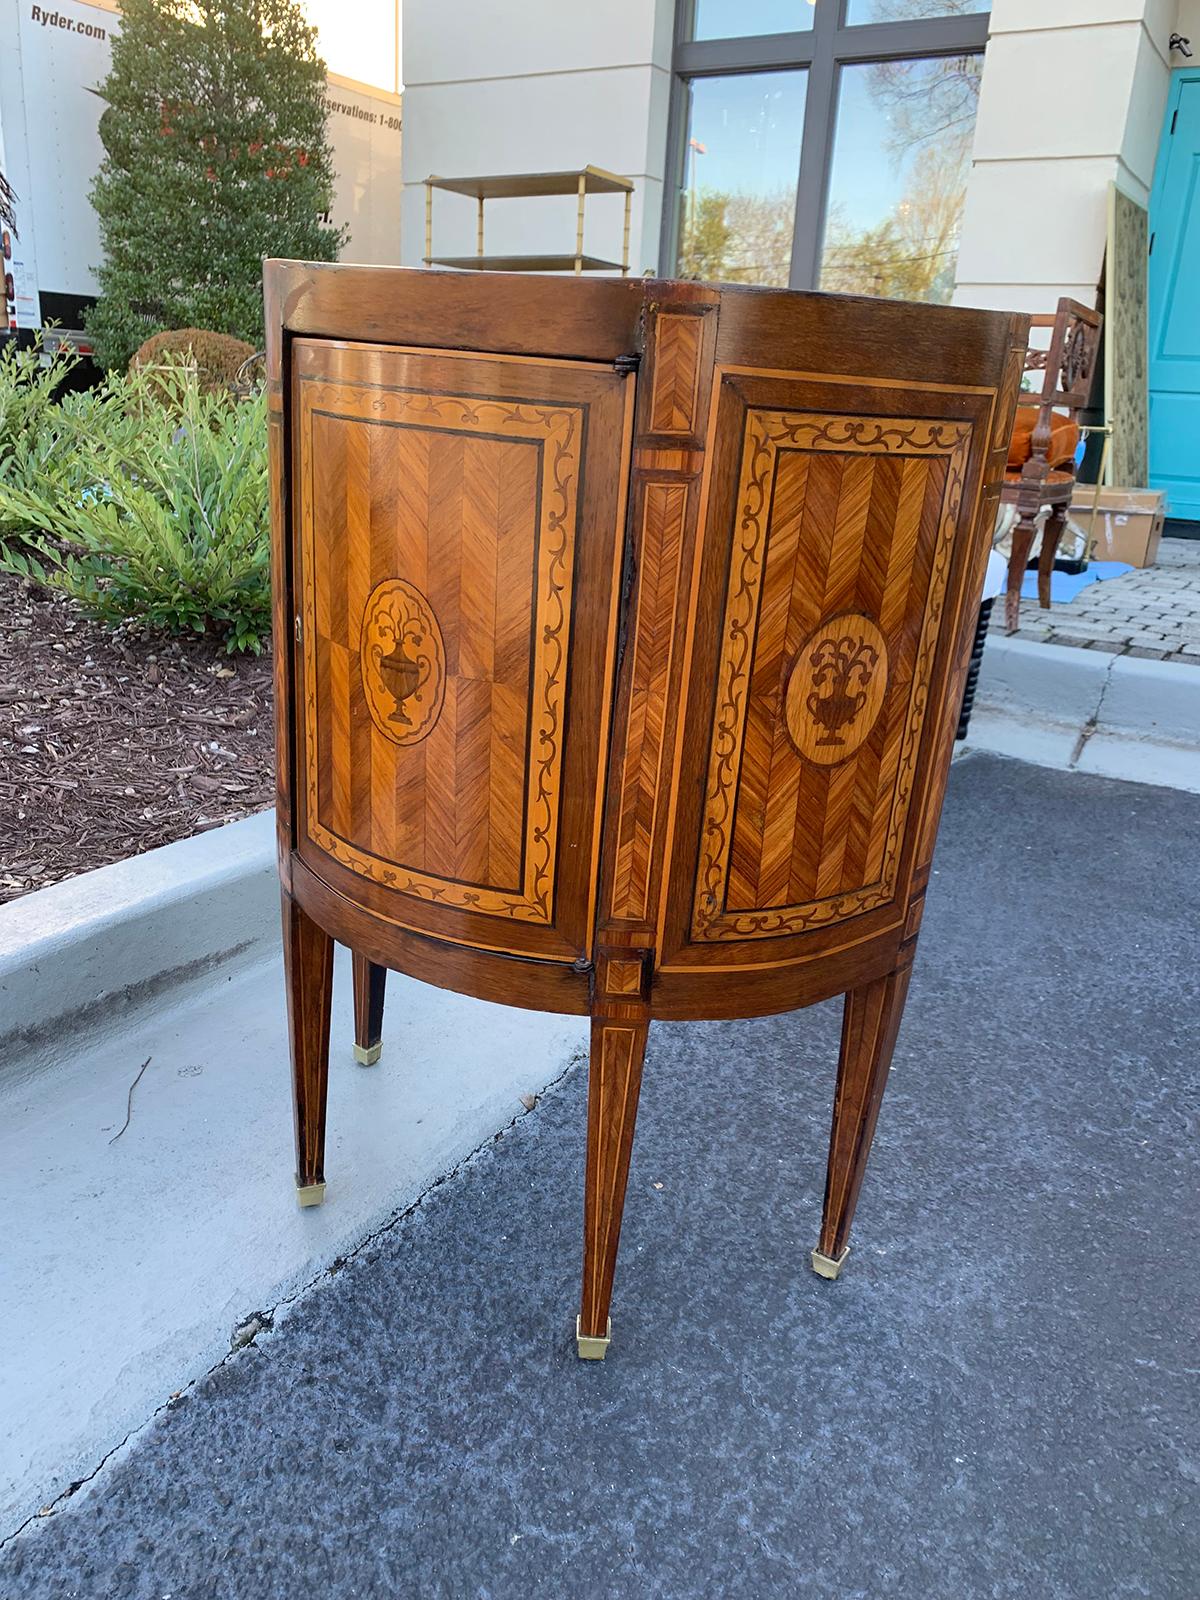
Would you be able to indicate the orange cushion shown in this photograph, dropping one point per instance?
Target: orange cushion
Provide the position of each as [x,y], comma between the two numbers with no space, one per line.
[1064,436]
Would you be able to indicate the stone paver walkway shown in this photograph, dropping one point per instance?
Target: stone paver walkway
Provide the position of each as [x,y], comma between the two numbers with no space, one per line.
[1152,612]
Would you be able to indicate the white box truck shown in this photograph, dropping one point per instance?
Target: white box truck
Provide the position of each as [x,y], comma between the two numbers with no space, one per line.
[53,57]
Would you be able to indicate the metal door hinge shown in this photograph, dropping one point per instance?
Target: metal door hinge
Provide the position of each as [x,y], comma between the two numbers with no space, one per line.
[624,365]
[299,629]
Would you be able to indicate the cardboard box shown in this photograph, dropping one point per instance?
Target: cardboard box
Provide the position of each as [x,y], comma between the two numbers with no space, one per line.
[1127,524]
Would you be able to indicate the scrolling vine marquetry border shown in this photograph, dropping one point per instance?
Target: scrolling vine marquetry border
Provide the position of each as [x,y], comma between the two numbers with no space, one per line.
[765,432]
[559,430]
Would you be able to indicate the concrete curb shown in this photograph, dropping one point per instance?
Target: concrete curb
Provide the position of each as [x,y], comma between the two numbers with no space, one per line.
[93,944]
[1087,710]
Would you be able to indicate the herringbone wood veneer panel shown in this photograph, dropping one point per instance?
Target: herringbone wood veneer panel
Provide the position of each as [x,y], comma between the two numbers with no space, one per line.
[676,396]
[464,508]
[663,508]
[839,564]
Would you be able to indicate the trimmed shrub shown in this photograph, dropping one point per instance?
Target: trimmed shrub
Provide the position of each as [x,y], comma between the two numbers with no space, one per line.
[217,357]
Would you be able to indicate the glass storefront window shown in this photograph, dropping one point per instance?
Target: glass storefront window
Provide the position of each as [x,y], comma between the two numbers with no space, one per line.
[738,197]
[735,19]
[910,10]
[901,157]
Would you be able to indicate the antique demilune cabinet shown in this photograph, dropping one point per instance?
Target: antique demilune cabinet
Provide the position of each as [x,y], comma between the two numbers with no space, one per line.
[620,631]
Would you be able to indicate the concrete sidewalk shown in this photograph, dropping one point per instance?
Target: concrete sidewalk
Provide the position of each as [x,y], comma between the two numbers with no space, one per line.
[1089,711]
[131,1258]
[996,1399]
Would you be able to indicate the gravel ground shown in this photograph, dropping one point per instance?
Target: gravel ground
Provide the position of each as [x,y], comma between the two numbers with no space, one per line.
[110,745]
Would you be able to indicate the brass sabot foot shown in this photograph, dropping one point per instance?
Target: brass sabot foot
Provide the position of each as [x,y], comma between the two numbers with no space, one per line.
[591,1346]
[829,1266]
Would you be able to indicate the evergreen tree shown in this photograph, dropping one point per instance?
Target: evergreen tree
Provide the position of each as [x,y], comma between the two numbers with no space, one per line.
[215,156]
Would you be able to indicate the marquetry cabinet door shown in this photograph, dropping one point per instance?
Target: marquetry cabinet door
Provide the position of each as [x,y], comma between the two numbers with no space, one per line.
[458,527]
[838,556]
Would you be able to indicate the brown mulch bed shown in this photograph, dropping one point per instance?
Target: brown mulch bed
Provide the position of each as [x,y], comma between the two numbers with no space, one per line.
[112,744]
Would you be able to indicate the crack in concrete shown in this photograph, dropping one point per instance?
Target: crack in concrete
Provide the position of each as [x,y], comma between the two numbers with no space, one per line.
[268,1318]
[1090,726]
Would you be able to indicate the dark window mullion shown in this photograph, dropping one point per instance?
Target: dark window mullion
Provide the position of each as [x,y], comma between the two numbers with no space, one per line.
[765,52]
[820,109]
[930,36]
[677,124]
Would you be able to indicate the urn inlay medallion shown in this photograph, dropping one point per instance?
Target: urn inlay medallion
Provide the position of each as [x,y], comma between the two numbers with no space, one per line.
[403,661]
[836,689]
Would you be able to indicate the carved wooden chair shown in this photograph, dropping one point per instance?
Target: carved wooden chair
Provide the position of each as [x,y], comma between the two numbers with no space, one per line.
[1041,456]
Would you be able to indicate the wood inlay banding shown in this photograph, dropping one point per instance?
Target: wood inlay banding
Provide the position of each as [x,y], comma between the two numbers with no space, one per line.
[664,508]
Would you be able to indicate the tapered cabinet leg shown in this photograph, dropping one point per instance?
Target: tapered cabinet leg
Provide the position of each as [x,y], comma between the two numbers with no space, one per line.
[614,1082]
[308,965]
[869,1027]
[369,980]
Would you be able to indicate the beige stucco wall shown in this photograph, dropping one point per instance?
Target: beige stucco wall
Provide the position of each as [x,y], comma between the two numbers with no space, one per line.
[1072,99]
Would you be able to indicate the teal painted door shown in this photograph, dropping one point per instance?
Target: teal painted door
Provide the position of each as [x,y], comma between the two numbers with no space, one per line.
[1175,303]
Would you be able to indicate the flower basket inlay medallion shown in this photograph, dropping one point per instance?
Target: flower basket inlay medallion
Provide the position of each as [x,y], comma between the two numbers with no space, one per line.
[836,689]
[403,661]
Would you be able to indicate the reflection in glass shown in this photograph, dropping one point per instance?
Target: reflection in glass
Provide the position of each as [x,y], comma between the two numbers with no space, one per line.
[738,201]
[734,19]
[901,156]
[910,10]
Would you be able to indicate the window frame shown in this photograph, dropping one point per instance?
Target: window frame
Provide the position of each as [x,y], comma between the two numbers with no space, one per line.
[822,50]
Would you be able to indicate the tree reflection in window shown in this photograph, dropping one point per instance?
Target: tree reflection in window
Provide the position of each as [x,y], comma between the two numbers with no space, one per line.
[738,205]
[902,155]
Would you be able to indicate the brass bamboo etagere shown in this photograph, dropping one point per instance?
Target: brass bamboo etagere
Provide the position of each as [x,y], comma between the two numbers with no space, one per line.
[525,186]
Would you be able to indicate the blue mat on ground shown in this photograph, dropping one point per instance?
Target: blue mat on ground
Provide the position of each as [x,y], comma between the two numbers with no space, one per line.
[1064,586]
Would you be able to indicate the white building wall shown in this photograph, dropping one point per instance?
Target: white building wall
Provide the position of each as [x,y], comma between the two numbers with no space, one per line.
[1072,99]
[542,86]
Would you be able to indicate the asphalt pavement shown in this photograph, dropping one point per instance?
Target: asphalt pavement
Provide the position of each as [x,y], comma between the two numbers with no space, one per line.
[997,1399]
